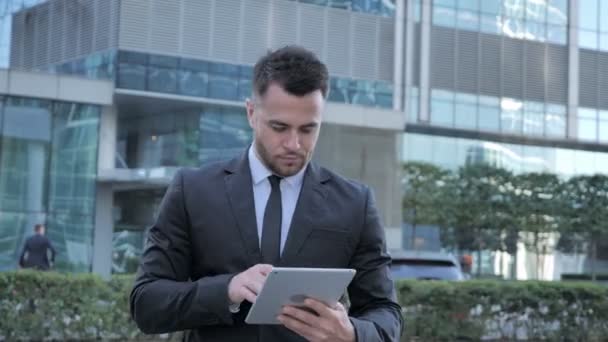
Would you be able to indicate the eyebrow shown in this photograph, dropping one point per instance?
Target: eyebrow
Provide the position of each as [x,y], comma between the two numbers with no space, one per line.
[308,125]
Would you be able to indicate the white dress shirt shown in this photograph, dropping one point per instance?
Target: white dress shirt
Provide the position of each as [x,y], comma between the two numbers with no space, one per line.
[290,191]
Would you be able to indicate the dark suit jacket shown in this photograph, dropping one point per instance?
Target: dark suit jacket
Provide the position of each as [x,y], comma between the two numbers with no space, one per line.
[35,253]
[205,233]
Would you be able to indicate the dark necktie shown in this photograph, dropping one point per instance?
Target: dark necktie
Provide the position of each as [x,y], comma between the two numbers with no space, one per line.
[271,229]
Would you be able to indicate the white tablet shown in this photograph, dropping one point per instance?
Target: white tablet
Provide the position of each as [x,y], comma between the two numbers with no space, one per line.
[291,286]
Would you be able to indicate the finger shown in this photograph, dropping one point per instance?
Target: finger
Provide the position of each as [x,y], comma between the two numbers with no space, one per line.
[249,295]
[302,315]
[263,269]
[254,287]
[319,307]
[301,328]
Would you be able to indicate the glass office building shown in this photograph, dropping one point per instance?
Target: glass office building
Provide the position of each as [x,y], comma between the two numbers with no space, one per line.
[517,84]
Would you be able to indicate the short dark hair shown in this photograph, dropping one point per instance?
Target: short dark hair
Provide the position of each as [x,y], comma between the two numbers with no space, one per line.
[37,227]
[296,69]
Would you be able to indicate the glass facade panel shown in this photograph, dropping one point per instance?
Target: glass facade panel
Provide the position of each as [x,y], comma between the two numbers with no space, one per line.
[603,14]
[15,228]
[557,34]
[588,14]
[555,125]
[223,81]
[534,123]
[557,12]
[466,116]
[468,20]
[444,16]
[228,81]
[72,237]
[166,139]
[24,154]
[442,113]
[48,169]
[73,168]
[491,6]
[603,42]
[225,132]
[588,39]
[587,129]
[603,130]
[489,118]
[511,116]
[412,115]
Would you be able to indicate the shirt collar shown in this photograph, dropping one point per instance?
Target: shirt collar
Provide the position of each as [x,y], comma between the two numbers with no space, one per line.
[259,171]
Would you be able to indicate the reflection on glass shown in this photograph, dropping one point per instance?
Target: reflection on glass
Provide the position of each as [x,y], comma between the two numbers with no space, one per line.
[466,116]
[490,24]
[535,31]
[225,132]
[489,118]
[588,14]
[603,129]
[162,79]
[557,12]
[533,123]
[536,11]
[555,125]
[444,16]
[24,153]
[166,139]
[412,115]
[442,113]
[72,237]
[511,116]
[15,228]
[588,39]
[604,41]
[603,15]
[223,81]
[491,6]
[557,34]
[468,20]
[73,167]
[587,129]
[471,5]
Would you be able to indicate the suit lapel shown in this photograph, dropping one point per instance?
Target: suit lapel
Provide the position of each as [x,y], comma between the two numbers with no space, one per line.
[308,210]
[240,194]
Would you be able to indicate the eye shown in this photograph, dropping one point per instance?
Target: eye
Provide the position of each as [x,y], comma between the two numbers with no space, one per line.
[278,127]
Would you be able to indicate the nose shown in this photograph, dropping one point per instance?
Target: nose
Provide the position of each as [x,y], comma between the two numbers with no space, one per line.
[292,141]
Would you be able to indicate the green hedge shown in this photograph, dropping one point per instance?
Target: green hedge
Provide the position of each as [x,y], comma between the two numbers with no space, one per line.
[500,310]
[36,305]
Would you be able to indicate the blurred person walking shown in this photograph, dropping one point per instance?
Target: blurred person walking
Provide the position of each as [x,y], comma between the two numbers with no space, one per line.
[36,251]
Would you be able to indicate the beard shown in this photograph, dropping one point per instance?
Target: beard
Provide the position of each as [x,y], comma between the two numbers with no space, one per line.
[281,167]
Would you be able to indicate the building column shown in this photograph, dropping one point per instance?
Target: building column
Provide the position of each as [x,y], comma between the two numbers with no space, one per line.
[400,89]
[104,198]
[104,228]
[108,126]
[573,72]
[425,59]
[409,55]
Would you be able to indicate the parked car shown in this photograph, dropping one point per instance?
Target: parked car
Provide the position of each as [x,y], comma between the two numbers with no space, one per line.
[425,265]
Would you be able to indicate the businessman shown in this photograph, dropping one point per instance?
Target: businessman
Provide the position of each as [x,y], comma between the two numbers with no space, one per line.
[221,228]
[36,251]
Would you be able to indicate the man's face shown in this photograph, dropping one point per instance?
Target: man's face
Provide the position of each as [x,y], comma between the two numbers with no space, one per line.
[286,128]
[42,230]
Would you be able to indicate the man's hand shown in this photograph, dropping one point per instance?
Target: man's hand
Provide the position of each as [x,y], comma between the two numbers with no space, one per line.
[330,324]
[248,284]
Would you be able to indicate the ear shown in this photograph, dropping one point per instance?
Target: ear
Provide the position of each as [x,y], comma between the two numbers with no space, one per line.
[250,107]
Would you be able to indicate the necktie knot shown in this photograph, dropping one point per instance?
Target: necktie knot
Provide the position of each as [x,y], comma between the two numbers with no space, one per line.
[274,181]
